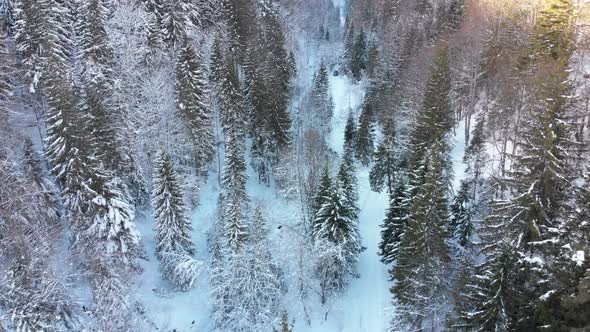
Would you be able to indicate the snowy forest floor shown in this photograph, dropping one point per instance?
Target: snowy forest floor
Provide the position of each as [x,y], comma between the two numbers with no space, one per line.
[365,305]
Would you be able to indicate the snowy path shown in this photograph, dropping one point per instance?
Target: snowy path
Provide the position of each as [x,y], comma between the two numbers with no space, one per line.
[363,307]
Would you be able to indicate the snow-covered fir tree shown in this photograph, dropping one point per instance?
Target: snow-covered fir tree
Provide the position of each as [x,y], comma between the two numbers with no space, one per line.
[335,230]
[365,134]
[423,256]
[192,103]
[173,227]
[394,225]
[383,171]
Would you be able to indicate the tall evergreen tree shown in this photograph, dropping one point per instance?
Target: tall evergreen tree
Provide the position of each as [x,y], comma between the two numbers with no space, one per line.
[234,172]
[322,192]
[359,56]
[177,20]
[335,225]
[349,136]
[239,15]
[393,227]
[96,53]
[383,171]
[435,119]
[270,82]
[321,101]
[364,143]
[423,256]
[173,227]
[42,32]
[192,104]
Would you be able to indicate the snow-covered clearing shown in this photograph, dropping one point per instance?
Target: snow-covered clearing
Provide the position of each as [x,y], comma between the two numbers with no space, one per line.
[365,305]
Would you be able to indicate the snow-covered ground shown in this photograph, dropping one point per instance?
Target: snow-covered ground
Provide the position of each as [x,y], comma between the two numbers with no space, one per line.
[365,304]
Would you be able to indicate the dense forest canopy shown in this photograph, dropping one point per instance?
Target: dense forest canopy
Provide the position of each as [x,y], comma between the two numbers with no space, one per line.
[294,165]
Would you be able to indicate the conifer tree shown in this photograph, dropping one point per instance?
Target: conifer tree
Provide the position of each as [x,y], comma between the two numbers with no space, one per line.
[322,192]
[349,45]
[104,143]
[234,172]
[335,225]
[321,101]
[107,224]
[423,256]
[177,20]
[347,181]
[393,227]
[372,58]
[96,53]
[216,62]
[364,143]
[239,15]
[7,14]
[435,119]
[173,227]
[42,32]
[192,104]
[462,211]
[349,135]
[66,157]
[383,171]
[359,56]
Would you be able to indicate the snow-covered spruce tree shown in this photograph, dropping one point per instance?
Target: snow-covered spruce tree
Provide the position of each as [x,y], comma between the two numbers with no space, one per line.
[347,182]
[239,15]
[372,58]
[384,168]
[173,227]
[533,217]
[495,295]
[262,299]
[349,136]
[268,89]
[462,213]
[320,99]
[192,103]
[359,56]
[393,227]
[365,140]
[233,113]
[234,171]
[95,52]
[100,124]
[322,192]
[233,181]
[216,63]
[423,257]
[106,226]
[234,192]
[67,161]
[7,14]
[435,119]
[177,20]
[336,231]
[42,30]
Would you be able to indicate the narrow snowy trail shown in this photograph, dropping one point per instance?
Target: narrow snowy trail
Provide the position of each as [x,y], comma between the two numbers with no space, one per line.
[365,304]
